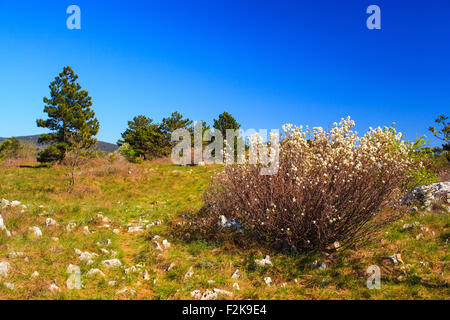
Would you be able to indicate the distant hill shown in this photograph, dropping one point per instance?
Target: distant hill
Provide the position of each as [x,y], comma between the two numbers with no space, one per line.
[104,146]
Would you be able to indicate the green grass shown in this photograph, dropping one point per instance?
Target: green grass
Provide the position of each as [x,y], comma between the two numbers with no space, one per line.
[154,191]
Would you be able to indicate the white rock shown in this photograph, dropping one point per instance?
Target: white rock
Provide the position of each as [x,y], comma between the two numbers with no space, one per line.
[71,226]
[85,256]
[35,274]
[111,283]
[113,263]
[15,203]
[3,227]
[196,294]
[14,254]
[236,286]
[72,269]
[8,285]
[4,269]
[170,267]
[224,223]
[209,295]
[130,291]
[145,276]
[135,229]
[166,244]
[116,231]
[35,231]
[95,272]
[86,230]
[50,222]
[264,262]
[223,292]
[189,274]
[5,203]
[157,246]
[53,287]
[268,280]
[236,275]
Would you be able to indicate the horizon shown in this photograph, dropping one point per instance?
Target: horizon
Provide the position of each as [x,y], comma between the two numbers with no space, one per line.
[267,64]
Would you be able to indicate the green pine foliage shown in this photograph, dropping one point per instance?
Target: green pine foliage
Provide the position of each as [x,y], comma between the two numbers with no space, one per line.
[70,117]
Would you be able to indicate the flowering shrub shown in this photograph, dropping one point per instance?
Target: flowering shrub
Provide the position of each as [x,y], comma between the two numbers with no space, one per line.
[329,191]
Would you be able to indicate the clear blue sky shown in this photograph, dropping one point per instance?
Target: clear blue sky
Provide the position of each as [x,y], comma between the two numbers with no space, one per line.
[266,62]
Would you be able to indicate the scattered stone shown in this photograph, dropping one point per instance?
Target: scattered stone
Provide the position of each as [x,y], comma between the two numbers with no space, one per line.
[106,242]
[111,283]
[35,231]
[172,265]
[419,236]
[396,258]
[53,288]
[236,286]
[85,256]
[129,291]
[236,275]
[4,269]
[209,295]
[166,244]
[145,276]
[103,250]
[50,222]
[95,272]
[189,274]
[224,223]
[427,194]
[71,226]
[15,203]
[135,229]
[196,294]
[2,225]
[264,262]
[35,274]
[14,254]
[157,246]
[72,269]
[86,230]
[8,285]
[113,263]
[268,280]
[5,203]
[116,231]
[223,292]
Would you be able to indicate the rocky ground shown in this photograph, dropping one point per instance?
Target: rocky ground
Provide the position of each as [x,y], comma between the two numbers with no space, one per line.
[111,241]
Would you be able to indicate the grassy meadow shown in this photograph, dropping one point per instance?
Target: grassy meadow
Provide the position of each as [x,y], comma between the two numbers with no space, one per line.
[154,195]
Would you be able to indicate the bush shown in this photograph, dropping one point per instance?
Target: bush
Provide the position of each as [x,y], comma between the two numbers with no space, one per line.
[50,154]
[128,153]
[330,189]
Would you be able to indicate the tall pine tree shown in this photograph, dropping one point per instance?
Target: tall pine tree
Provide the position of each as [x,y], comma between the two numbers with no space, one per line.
[70,118]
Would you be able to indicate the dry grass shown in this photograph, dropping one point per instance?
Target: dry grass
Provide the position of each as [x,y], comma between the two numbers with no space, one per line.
[165,192]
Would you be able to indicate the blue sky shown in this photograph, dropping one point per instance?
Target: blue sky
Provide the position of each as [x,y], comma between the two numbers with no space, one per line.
[266,62]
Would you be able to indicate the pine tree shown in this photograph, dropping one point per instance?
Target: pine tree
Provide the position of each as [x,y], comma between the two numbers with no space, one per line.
[70,117]
[145,138]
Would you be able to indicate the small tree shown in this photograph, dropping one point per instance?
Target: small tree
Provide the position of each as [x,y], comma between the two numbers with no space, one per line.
[78,150]
[444,133]
[226,121]
[174,122]
[144,137]
[69,113]
[10,148]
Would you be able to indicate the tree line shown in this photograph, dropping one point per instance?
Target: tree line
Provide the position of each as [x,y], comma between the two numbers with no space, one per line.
[73,125]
